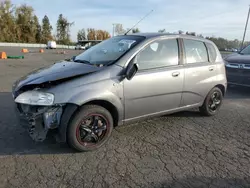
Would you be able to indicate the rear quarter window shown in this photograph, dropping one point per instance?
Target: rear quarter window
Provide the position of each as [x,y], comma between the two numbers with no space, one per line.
[211,52]
[196,51]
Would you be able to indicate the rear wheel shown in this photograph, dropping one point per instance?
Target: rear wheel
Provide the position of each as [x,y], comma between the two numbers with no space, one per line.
[90,128]
[212,102]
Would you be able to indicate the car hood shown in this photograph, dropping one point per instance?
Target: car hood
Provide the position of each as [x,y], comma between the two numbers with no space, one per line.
[58,71]
[238,58]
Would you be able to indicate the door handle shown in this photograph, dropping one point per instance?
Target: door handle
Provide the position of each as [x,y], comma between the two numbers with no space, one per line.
[211,68]
[175,74]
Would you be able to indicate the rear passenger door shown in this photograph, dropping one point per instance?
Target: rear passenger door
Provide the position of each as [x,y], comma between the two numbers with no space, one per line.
[200,72]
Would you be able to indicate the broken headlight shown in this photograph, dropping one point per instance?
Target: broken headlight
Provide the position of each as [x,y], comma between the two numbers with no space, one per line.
[35,98]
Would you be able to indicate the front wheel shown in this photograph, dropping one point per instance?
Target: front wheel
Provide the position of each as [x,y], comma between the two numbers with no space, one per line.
[90,128]
[212,102]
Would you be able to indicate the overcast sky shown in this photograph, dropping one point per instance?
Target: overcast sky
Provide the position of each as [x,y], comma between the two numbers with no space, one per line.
[225,18]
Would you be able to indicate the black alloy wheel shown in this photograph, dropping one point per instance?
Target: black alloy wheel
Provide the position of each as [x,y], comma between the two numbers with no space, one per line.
[212,103]
[90,128]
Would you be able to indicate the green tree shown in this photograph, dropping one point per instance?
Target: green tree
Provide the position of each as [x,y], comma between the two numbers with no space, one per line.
[200,35]
[46,30]
[135,30]
[38,29]
[91,34]
[162,31]
[223,43]
[180,32]
[7,22]
[25,24]
[119,30]
[191,33]
[63,30]
[81,35]
[102,35]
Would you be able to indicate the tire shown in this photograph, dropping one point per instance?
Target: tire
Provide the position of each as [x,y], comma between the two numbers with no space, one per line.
[74,133]
[205,108]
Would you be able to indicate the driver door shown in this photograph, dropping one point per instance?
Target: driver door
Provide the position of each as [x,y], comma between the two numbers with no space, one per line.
[158,84]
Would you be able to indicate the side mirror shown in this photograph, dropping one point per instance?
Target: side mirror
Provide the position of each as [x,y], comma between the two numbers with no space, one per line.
[131,70]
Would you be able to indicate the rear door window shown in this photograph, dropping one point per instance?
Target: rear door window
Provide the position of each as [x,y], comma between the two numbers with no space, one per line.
[196,51]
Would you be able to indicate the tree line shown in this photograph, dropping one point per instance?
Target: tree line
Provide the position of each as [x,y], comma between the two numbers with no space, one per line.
[220,42]
[20,24]
[92,34]
[119,29]
[224,44]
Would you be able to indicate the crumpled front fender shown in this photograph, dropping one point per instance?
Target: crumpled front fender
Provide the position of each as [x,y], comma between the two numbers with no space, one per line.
[68,112]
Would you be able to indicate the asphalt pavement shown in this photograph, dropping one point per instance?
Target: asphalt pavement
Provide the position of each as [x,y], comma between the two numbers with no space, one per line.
[179,150]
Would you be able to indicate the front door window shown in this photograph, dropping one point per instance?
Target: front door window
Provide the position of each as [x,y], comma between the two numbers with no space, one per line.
[159,54]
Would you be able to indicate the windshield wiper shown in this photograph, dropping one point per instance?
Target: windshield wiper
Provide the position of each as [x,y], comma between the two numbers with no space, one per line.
[82,61]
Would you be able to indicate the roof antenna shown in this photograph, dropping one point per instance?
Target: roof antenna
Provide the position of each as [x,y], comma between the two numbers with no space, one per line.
[138,22]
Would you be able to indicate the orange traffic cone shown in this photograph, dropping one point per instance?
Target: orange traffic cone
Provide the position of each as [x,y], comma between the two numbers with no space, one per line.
[41,50]
[25,50]
[3,55]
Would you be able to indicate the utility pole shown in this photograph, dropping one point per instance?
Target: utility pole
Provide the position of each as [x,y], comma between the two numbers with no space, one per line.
[114,24]
[245,29]
[114,27]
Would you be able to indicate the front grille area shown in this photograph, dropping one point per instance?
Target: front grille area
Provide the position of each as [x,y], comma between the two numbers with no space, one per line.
[30,109]
[238,71]
[238,75]
[246,81]
[234,79]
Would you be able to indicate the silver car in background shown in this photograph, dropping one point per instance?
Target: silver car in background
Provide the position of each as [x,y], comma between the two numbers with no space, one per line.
[118,81]
[80,47]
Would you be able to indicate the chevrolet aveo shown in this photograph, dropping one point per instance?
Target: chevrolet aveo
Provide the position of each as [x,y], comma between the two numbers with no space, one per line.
[118,81]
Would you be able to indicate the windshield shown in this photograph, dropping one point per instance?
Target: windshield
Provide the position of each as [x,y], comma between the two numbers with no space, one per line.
[109,50]
[246,50]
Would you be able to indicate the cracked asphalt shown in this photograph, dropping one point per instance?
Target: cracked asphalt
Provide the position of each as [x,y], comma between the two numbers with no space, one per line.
[179,150]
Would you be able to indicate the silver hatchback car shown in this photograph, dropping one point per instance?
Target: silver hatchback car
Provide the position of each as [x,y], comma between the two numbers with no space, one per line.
[118,81]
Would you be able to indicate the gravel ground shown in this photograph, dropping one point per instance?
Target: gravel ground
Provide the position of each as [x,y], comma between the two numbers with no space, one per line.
[180,150]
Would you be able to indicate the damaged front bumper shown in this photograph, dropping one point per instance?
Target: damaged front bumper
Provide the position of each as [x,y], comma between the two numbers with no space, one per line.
[38,120]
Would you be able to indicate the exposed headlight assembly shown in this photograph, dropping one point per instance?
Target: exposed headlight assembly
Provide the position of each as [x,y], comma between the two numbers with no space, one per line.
[35,98]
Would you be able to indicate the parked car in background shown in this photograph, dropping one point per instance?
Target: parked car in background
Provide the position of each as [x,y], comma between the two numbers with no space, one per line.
[80,47]
[235,50]
[119,81]
[230,49]
[51,45]
[238,67]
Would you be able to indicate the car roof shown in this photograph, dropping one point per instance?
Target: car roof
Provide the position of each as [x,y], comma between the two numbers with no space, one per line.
[155,35]
[150,35]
